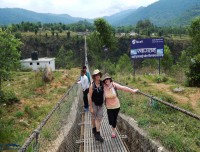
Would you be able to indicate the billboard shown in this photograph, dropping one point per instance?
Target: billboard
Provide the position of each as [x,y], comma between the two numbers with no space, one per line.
[147,48]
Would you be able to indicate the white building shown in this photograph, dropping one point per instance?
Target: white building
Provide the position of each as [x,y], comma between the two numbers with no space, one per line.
[133,34]
[40,63]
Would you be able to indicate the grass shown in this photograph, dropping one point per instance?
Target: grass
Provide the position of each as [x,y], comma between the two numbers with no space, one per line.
[18,120]
[175,130]
[19,114]
[198,104]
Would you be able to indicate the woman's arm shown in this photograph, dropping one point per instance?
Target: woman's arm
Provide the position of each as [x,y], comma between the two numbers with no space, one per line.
[124,88]
[90,98]
[90,95]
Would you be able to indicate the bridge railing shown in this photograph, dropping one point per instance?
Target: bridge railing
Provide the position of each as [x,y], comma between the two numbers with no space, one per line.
[52,131]
[153,98]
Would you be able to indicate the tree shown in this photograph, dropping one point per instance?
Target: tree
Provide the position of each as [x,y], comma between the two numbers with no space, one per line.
[9,54]
[36,31]
[167,60]
[144,24]
[95,45]
[184,59]
[124,64]
[52,31]
[68,34]
[195,35]
[150,63]
[193,75]
[105,33]
[60,58]
[65,58]
[145,27]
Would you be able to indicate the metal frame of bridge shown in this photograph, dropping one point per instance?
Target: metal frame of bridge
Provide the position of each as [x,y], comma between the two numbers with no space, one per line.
[109,144]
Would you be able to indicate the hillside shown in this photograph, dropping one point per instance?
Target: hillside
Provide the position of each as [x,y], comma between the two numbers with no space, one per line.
[17,15]
[161,13]
[190,14]
[119,16]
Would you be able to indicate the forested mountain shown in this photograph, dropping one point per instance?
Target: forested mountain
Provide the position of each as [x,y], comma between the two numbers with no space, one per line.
[17,15]
[187,16]
[160,13]
[119,16]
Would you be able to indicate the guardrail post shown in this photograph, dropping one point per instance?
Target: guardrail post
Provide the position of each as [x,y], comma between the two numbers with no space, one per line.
[37,132]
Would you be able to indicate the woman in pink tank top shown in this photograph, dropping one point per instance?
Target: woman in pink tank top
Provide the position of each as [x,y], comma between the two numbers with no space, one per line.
[112,100]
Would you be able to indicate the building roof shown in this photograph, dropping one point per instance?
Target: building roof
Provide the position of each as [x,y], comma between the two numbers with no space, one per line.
[39,60]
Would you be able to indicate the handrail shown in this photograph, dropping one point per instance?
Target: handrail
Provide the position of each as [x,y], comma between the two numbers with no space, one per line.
[36,132]
[172,106]
[167,103]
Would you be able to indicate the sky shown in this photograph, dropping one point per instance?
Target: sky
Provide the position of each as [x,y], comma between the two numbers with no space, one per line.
[76,8]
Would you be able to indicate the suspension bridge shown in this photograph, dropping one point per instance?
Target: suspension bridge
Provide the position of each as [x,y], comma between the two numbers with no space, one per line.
[67,128]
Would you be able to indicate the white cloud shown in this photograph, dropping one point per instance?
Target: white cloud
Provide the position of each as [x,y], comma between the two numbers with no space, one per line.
[78,8]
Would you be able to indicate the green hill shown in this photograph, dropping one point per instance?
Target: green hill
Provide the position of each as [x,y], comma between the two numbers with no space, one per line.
[162,13]
[17,15]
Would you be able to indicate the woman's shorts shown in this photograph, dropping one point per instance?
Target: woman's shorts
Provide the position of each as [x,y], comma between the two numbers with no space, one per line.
[97,111]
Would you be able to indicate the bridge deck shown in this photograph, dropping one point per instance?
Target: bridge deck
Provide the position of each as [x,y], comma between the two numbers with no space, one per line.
[109,144]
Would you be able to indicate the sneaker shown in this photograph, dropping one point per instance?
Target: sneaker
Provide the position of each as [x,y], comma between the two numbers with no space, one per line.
[113,135]
[98,137]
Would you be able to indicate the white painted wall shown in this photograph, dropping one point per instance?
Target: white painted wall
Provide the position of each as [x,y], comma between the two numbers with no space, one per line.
[40,63]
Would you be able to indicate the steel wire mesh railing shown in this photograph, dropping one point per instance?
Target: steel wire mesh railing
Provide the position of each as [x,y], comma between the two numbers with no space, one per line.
[59,130]
[162,118]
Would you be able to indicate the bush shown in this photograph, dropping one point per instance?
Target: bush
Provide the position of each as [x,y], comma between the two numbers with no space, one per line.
[109,67]
[19,114]
[26,69]
[124,64]
[150,63]
[38,79]
[68,66]
[160,78]
[8,97]
[142,122]
[18,35]
[175,143]
[167,60]
[177,72]
[193,75]
[29,111]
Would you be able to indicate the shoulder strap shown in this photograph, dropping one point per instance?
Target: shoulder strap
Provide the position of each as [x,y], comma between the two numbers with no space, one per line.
[93,85]
[114,86]
[101,83]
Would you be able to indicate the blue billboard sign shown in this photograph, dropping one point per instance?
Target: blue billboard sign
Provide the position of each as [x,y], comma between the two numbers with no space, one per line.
[147,48]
